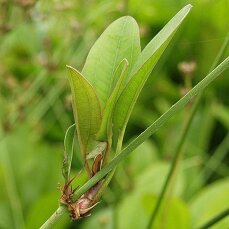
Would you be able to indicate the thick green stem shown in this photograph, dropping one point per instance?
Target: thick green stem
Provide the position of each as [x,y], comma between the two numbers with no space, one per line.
[153,128]
[54,218]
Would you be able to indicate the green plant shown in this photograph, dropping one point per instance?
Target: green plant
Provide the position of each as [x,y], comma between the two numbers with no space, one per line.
[104,95]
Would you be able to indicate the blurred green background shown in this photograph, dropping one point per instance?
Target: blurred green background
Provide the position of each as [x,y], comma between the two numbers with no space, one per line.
[37,40]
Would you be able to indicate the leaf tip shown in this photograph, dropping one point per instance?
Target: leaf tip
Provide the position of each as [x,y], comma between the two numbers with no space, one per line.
[69,67]
[129,19]
[189,6]
[126,62]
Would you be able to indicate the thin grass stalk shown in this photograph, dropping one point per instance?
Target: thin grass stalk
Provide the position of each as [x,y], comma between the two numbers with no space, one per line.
[150,130]
[153,128]
[216,219]
[179,149]
[174,166]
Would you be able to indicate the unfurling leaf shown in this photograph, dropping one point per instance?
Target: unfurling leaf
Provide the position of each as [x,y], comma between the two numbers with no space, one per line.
[86,109]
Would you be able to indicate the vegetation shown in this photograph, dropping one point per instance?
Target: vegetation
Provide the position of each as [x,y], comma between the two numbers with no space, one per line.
[174,157]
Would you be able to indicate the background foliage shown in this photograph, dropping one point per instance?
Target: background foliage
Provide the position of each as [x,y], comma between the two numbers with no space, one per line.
[37,40]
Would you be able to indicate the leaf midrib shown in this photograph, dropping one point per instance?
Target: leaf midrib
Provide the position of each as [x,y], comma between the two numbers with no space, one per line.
[116,57]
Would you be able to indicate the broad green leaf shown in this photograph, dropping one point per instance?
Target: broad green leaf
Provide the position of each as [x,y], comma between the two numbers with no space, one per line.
[68,151]
[141,70]
[120,40]
[209,202]
[138,163]
[106,125]
[153,178]
[134,212]
[86,109]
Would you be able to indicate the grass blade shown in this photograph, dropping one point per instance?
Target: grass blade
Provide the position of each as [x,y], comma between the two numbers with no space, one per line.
[154,127]
[141,138]
[216,219]
[179,148]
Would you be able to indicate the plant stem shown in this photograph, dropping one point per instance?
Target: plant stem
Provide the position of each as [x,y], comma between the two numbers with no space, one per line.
[220,53]
[218,155]
[216,219]
[152,128]
[55,217]
[174,166]
[179,149]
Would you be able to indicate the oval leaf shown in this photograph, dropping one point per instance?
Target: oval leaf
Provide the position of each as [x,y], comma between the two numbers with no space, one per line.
[86,109]
[141,70]
[120,40]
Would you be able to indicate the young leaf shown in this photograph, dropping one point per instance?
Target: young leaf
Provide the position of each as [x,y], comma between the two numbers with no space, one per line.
[120,40]
[68,151]
[106,125]
[86,109]
[141,70]
[154,127]
[99,147]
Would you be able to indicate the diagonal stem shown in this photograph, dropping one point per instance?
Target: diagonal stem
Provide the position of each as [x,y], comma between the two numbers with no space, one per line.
[216,219]
[174,166]
[152,129]
[179,148]
[55,217]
